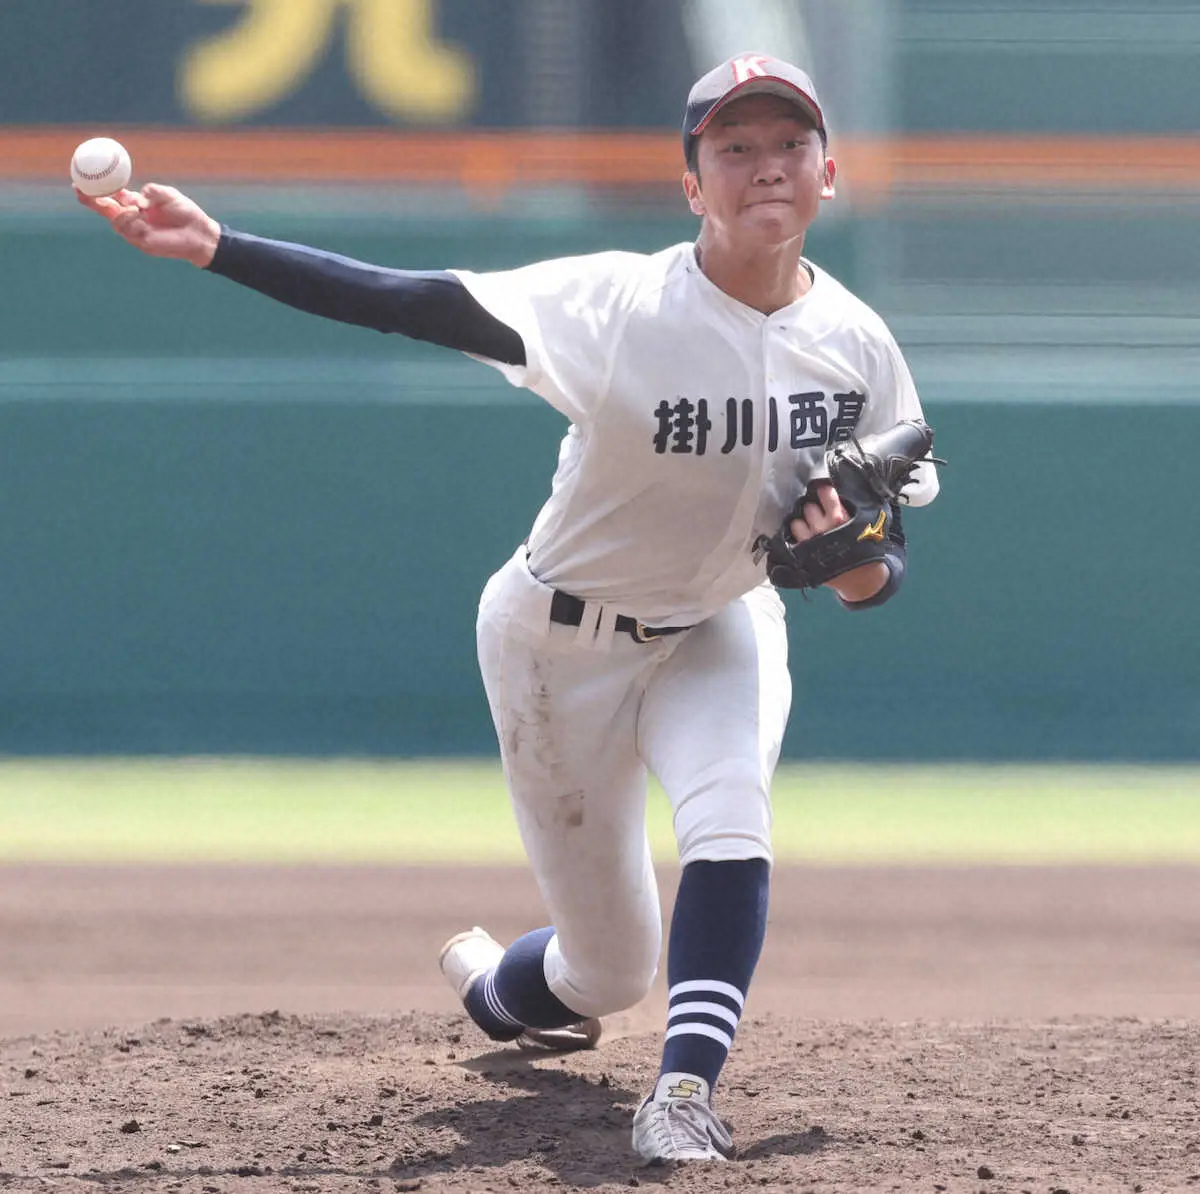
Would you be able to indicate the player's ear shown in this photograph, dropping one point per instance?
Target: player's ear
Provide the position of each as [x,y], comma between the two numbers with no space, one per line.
[827,189]
[691,188]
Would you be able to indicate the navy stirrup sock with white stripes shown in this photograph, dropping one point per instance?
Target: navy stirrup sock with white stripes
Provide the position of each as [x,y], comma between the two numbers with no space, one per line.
[516,995]
[717,932]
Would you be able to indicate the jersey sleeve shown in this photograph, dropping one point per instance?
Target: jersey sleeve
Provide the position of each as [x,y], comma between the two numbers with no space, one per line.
[894,395]
[569,313]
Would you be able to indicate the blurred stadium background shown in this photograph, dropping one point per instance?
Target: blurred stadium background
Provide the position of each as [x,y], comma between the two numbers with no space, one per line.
[229,528]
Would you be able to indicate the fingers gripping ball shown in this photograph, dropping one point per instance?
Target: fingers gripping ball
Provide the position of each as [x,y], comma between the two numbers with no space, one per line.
[868,475]
[100,167]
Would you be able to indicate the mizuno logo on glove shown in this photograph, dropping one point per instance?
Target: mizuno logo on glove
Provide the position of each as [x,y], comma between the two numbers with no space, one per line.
[874,532]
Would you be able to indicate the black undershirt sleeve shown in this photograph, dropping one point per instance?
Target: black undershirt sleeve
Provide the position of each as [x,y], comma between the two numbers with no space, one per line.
[423,305]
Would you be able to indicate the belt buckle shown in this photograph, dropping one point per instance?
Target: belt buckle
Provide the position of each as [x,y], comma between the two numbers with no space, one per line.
[643,633]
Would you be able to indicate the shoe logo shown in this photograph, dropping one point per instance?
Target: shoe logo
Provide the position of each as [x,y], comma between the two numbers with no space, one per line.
[686,1088]
[874,532]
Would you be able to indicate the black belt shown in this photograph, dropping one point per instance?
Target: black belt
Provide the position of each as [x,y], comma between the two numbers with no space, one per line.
[568,611]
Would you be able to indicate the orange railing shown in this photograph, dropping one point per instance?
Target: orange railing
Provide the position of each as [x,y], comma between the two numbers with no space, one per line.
[495,162]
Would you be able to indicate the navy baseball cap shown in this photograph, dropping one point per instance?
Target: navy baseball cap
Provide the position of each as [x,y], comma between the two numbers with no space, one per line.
[747,74]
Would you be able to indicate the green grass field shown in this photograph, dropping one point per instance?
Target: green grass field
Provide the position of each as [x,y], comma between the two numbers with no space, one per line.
[451,811]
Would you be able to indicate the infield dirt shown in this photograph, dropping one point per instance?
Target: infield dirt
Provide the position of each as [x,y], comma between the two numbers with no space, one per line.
[254,1029]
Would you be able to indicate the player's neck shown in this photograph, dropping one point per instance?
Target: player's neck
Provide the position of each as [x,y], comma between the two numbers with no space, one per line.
[766,279]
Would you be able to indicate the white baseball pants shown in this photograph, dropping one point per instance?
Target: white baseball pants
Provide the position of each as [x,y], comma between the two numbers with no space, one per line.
[582,717]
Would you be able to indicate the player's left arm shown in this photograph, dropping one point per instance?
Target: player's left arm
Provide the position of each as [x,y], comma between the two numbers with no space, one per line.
[895,398]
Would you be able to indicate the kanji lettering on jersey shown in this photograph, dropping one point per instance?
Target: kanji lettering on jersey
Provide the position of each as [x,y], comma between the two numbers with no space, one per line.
[849,410]
[738,415]
[685,424]
[809,419]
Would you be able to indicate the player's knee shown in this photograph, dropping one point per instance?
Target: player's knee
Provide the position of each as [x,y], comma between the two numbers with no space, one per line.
[724,818]
[724,847]
[615,992]
[604,985]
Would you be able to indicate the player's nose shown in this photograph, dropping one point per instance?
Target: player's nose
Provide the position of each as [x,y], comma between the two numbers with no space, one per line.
[770,170]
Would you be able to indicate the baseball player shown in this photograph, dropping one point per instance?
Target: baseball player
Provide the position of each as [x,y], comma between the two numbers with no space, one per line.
[722,397]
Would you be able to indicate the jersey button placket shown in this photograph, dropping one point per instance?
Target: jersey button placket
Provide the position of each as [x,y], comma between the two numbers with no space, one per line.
[776,437]
[759,444]
[771,375]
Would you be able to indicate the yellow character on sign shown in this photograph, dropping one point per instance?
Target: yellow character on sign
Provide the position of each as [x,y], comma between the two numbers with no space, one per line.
[393,56]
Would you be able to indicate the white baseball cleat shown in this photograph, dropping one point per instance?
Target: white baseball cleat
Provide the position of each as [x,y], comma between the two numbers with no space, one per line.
[468,956]
[676,1123]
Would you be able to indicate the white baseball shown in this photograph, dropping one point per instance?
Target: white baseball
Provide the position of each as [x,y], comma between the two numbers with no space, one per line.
[101,166]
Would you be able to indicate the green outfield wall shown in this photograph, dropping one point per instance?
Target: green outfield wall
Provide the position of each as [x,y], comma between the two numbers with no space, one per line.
[229,527]
[271,575]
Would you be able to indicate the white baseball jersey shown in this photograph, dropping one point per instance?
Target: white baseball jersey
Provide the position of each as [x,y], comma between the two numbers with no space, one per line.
[696,421]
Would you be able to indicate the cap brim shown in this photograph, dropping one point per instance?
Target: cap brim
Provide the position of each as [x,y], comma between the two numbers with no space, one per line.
[765,86]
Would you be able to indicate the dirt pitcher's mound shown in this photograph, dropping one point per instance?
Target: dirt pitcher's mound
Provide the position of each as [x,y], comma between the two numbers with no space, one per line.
[422,1102]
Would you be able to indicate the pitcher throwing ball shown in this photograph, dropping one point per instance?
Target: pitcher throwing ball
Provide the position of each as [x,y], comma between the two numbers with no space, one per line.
[737,418]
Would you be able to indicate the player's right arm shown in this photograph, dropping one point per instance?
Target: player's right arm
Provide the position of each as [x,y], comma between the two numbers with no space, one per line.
[160,221]
[434,306]
[550,327]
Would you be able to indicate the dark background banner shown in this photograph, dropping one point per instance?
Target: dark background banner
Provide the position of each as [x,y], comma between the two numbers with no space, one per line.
[1072,66]
[342,62]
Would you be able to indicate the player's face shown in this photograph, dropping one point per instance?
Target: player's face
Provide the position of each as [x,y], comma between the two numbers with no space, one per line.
[762,171]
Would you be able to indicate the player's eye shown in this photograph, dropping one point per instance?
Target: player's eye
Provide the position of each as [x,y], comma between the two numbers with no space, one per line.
[794,144]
